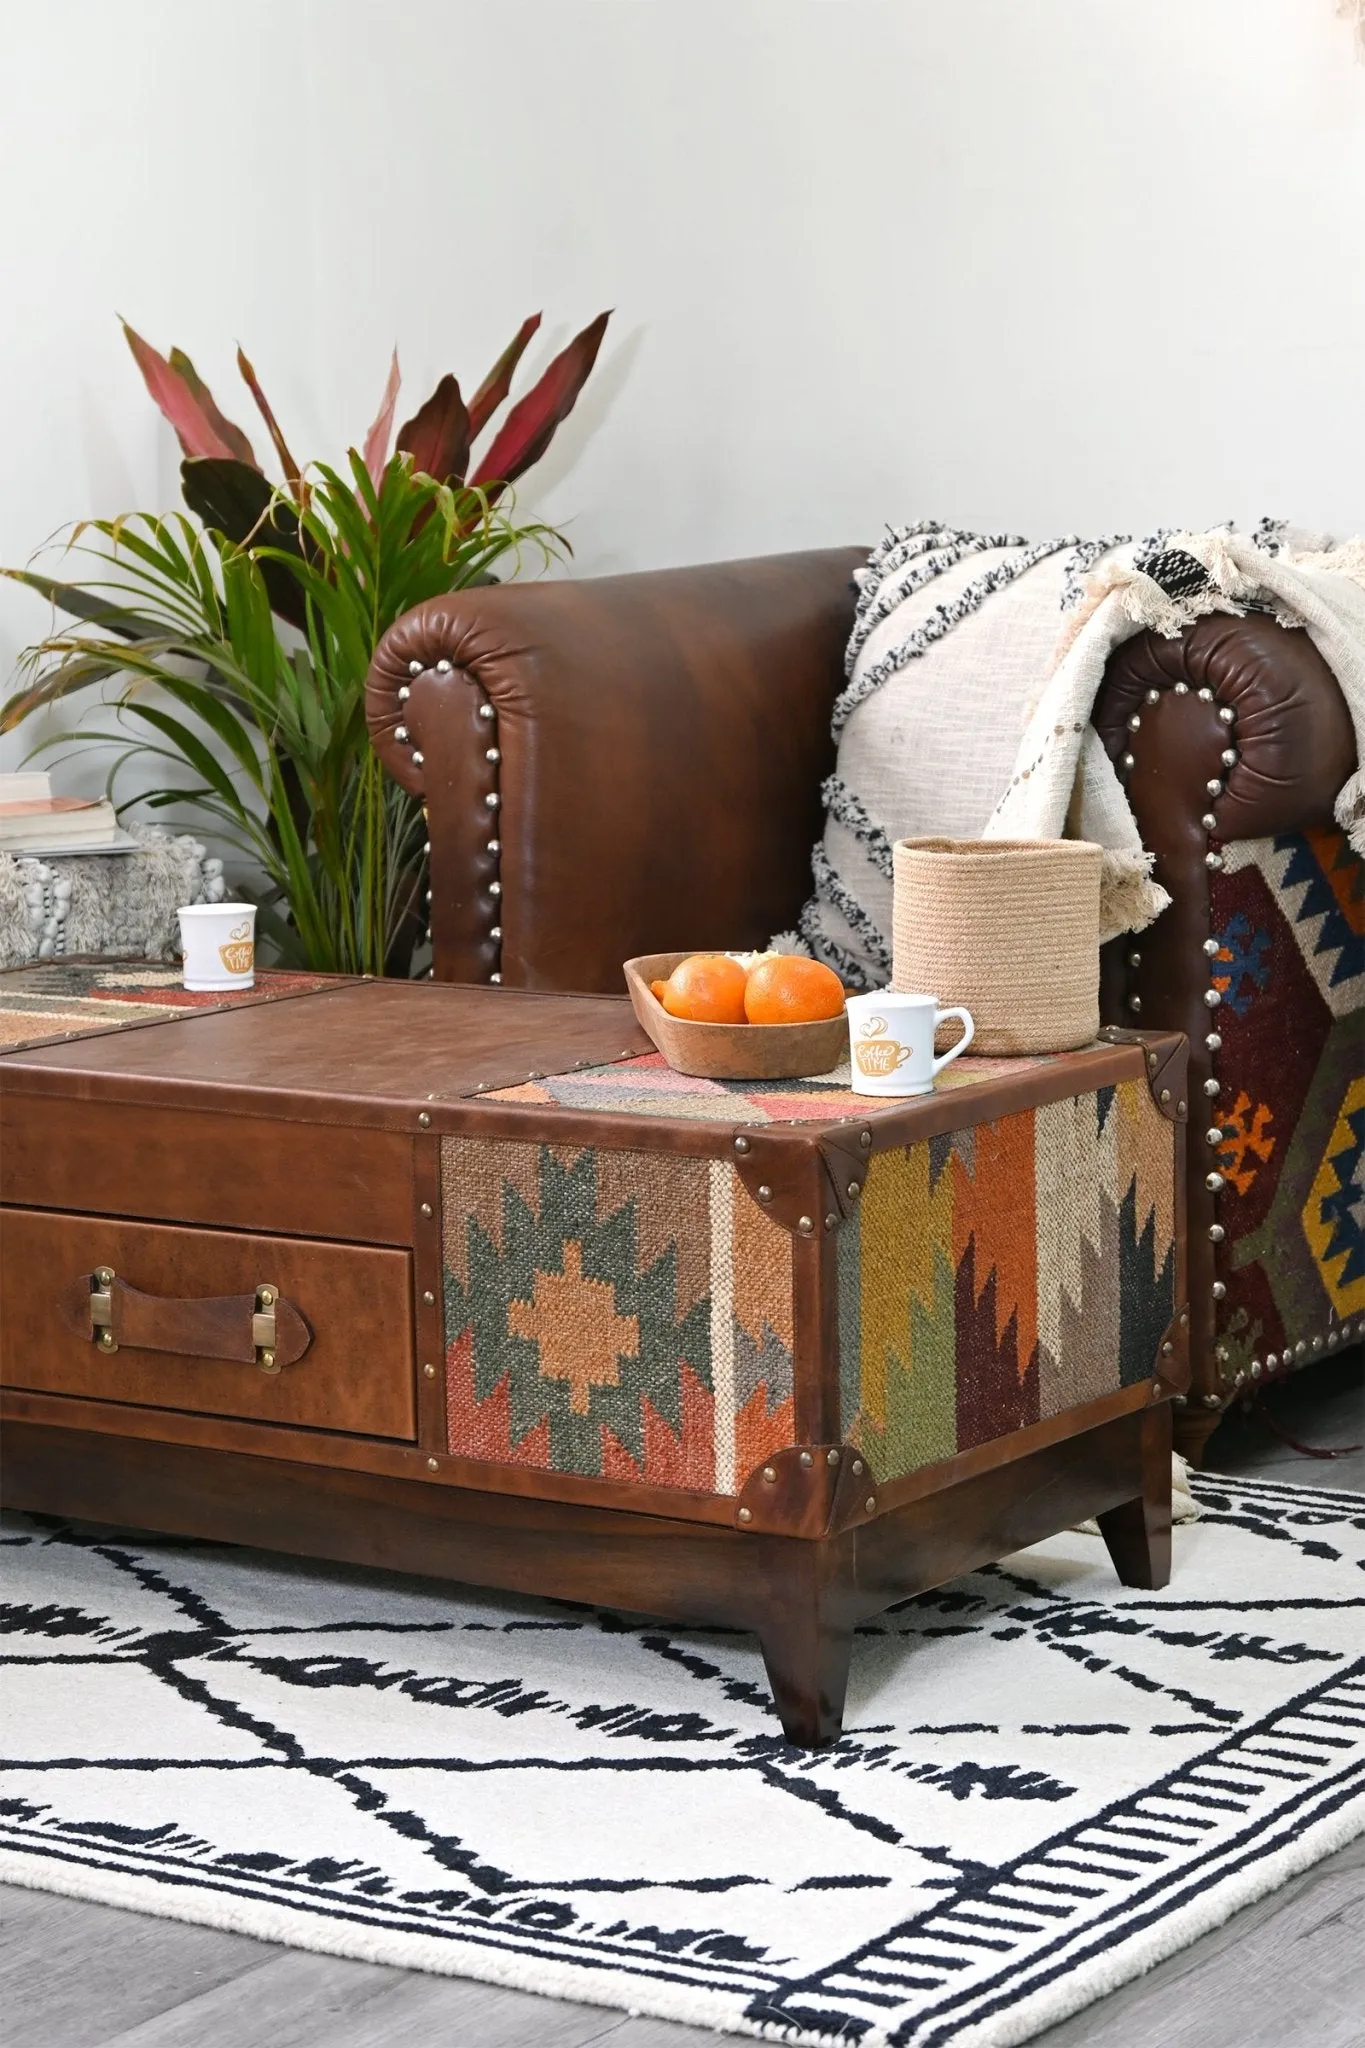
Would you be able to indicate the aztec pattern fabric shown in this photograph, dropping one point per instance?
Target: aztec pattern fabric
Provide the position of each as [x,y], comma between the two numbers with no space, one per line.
[648,1086]
[1045,1783]
[623,1315]
[996,1276]
[69,999]
[1288,914]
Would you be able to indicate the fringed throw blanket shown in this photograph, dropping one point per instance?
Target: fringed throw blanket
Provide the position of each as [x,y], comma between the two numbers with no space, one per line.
[966,716]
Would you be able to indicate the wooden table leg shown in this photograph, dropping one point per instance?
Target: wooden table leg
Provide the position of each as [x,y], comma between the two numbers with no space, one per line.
[1138,1532]
[807,1641]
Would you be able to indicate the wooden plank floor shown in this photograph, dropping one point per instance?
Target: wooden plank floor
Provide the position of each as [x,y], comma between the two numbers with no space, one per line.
[1286,1973]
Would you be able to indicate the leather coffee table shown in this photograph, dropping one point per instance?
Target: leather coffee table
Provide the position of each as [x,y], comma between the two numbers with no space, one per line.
[463,1281]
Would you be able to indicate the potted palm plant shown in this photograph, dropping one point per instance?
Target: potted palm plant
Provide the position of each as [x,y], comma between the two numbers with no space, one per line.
[234,644]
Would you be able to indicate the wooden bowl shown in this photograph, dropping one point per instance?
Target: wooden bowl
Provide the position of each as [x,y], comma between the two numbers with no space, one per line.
[731,1052]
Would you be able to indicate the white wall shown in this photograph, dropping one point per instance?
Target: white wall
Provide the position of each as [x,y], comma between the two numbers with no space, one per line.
[1069,263]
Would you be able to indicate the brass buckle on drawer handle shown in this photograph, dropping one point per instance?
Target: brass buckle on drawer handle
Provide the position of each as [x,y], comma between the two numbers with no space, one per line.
[263,1328]
[102,1309]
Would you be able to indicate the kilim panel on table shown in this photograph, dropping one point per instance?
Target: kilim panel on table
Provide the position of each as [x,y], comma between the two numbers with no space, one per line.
[623,1315]
[648,1086]
[994,1277]
[70,998]
[1289,917]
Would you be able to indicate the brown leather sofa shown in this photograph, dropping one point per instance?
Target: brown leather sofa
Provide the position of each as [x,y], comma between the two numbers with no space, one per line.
[629,764]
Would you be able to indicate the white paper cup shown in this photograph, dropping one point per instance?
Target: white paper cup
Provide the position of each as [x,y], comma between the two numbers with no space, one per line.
[219,944]
[891,1042]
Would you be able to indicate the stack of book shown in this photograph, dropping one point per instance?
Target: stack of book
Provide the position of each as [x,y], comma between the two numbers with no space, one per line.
[33,820]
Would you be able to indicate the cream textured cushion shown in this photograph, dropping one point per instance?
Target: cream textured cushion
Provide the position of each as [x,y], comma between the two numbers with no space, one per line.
[953,640]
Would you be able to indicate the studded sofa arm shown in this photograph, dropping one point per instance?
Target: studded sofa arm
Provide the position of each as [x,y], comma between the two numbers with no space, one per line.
[621,765]
[1233,741]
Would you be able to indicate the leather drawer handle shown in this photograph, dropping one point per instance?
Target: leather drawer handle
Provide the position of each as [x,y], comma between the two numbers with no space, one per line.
[261,1329]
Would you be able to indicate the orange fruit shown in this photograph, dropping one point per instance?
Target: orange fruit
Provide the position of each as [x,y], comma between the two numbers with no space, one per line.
[708,988]
[789,989]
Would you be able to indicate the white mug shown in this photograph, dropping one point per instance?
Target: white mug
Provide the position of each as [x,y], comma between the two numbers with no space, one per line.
[218,941]
[891,1042]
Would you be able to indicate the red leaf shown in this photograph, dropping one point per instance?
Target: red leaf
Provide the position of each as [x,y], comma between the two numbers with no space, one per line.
[530,426]
[437,437]
[235,438]
[375,453]
[287,462]
[498,382]
[194,428]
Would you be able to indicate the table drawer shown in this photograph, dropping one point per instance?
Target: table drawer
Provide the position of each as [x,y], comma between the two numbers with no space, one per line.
[174,1326]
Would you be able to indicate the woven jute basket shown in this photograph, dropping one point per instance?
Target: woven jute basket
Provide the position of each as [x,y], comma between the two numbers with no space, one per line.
[1009,928]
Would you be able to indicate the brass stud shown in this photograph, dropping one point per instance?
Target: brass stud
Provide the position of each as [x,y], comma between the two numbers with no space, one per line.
[1214,1134]
[496,980]
[1165,1095]
[1219,1290]
[495,888]
[1154,696]
[1213,1181]
[1216,1233]
[1317,1343]
[403,693]
[857,1466]
[831,1220]
[106,1341]
[486,711]
[105,1275]
[433,1464]
[443,668]
[492,754]
[1182,689]
[1206,696]
[400,733]
[1213,1086]
[1184,1319]
[1226,713]
[806,1458]
[428,1297]
[746,1514]
[492,800]
[854,1189]
[414,668]
[1128,761]
[765,1194]
[1209,822]
[424,1119]
[426,1208]
[1134,722]
[1135,959]
[1212,948]
[831,1457]
[1135,1002]
[1213,1042]
[1212,1401]
[1229,757]
[770,1474]
[1213,997]
[1167,1349]
[865,1139]
[1214,786]
[267,1361]
[418,757]
[1213,861]
[429,1372]
[804,1225]
[267,1296]
[871,1503]
[742,1145]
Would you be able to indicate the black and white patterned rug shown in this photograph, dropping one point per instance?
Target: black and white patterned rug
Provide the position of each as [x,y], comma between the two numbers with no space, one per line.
[1047,1784]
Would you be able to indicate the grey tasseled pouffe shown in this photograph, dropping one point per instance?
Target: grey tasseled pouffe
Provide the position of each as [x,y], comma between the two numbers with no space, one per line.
[118,905]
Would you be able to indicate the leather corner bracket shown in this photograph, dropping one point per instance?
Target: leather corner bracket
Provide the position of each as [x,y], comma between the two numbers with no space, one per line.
[807,1185]
[808,1490]
[1166,1057]
[1171,1370]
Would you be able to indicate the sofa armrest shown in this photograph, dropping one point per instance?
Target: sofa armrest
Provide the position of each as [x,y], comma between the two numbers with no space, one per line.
[1237,730]
[621,765]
